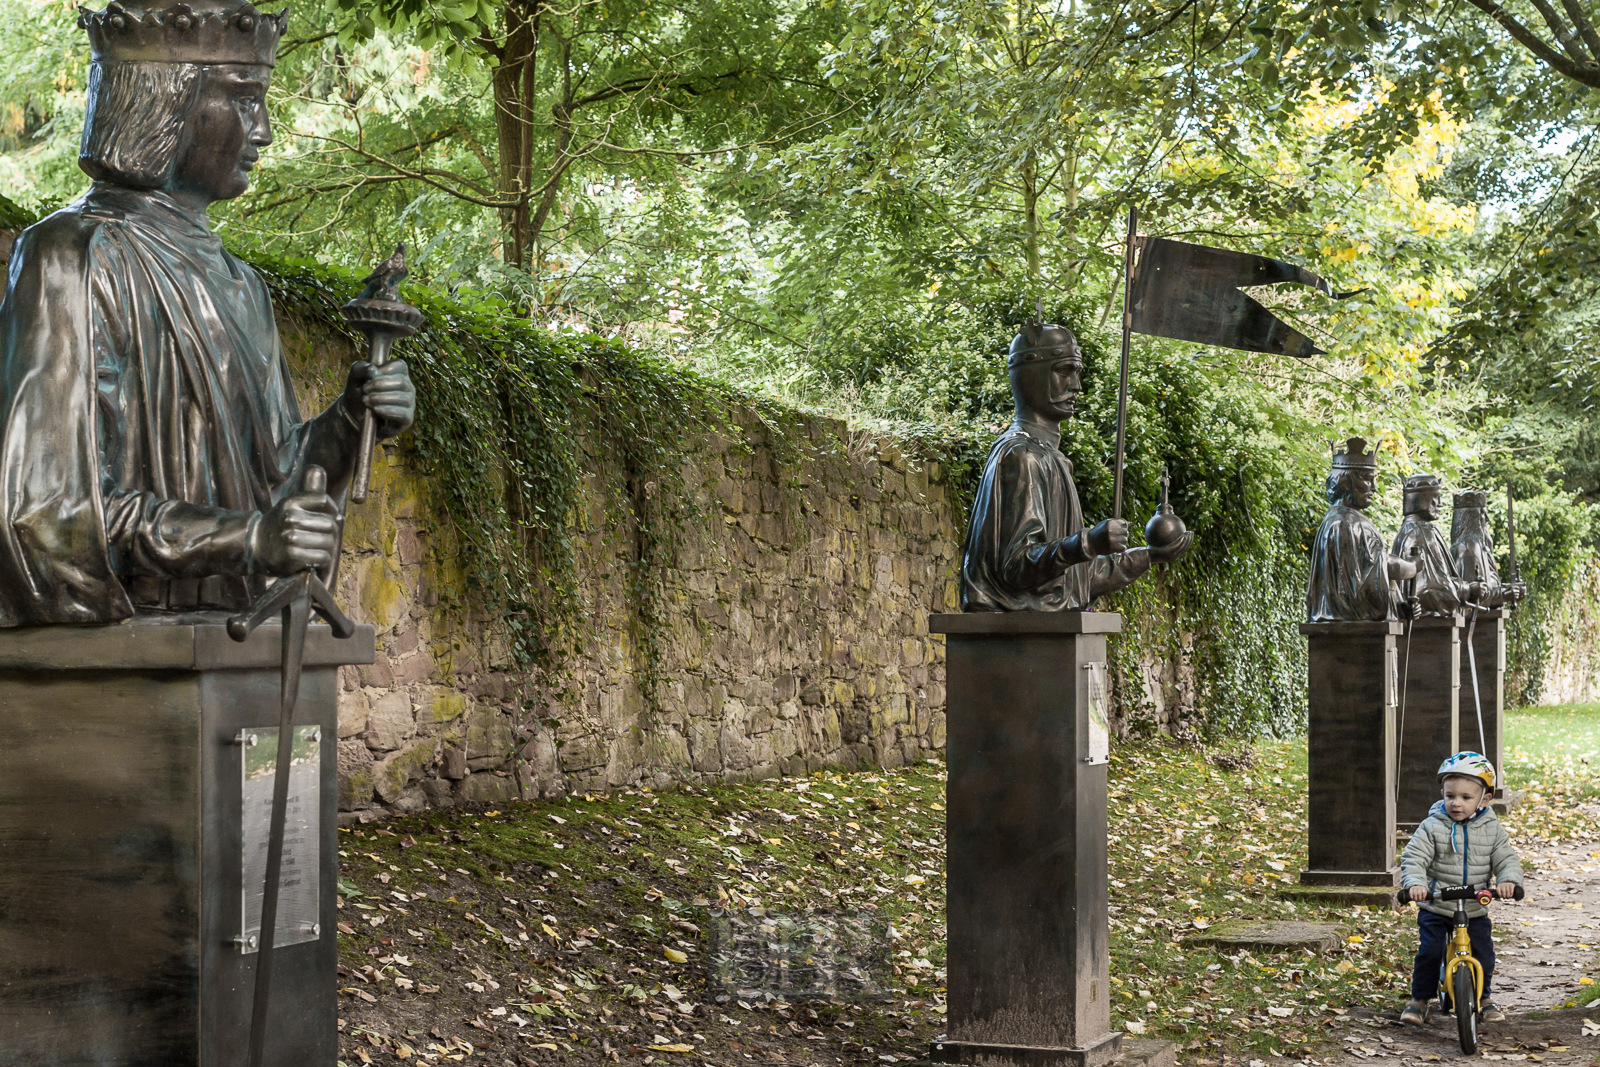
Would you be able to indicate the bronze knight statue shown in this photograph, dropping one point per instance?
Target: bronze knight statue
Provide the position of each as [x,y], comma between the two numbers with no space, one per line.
[1353,577]
[1026,547]
[155,460]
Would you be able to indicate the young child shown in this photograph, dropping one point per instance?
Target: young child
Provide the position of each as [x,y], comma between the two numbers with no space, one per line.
[1459,843]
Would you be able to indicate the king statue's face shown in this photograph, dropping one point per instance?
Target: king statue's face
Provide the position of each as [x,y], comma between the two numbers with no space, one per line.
[1363,485]
[1424,503]
[223,135]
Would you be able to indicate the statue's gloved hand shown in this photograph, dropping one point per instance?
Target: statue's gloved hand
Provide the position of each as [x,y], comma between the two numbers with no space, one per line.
[1108,538]
[300,533]
[1168,553]
[1511,592]
[386,391]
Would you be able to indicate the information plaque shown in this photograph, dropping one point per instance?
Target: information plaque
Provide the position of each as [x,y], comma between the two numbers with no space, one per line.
[1098,704]
[299,886]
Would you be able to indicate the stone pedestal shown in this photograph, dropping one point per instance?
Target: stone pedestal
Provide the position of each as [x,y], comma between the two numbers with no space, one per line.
[1028,962]
[1353,688]
[1430,711]
[1489,646]
[131,806]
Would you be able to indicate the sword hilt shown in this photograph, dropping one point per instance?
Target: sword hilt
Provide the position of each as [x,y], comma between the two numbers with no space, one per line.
[285,591]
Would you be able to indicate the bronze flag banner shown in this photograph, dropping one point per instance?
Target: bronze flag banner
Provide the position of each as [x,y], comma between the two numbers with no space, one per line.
[1191,293]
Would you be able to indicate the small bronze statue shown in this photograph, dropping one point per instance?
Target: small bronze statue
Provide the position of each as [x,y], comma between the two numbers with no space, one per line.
[1472,549]
[1026,547]
[153,455]
[1352,575]
[1438,588]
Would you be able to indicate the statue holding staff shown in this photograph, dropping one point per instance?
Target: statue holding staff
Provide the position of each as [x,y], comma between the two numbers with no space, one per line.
[1026,548]
[1439,588]
[153,456]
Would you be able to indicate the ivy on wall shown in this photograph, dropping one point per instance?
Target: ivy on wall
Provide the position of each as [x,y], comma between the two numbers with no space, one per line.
[511,418]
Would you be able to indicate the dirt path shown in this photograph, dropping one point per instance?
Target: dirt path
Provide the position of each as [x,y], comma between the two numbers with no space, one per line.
[1544,945]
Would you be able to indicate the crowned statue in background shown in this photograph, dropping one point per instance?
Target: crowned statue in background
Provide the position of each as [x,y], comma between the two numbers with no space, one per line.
[1353,577]
[1438,587]
[1026,548]
[1472,549]
[154,458]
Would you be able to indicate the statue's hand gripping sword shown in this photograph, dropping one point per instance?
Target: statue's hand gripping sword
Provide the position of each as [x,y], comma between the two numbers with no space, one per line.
[293,599]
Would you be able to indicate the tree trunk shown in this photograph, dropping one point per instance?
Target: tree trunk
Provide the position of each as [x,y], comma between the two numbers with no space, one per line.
[1030,213]
[513,111]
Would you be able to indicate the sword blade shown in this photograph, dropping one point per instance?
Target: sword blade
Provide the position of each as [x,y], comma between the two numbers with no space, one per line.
[296,616]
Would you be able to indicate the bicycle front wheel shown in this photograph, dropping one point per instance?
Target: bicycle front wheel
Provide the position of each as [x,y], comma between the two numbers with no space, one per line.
[1465,995]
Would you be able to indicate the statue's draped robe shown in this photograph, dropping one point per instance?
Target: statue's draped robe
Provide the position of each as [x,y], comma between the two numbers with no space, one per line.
[146,415]
[1439,589]
[1349,571]
[1025,503]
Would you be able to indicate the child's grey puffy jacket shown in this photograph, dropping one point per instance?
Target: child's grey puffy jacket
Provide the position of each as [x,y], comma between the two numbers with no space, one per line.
[1444,852]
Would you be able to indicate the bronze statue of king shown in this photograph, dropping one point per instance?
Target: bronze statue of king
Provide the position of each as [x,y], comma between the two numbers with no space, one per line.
[152,454]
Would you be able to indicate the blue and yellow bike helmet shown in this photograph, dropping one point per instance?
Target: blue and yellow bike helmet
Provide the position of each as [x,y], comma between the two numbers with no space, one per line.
[1469,765]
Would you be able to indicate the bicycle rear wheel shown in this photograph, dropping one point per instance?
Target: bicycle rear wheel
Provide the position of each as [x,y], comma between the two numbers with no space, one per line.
[1465,995]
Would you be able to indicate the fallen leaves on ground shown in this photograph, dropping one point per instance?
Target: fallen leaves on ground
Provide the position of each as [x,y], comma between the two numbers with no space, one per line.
[571,930]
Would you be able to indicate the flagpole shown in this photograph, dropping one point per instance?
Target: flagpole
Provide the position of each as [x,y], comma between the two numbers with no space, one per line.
[1122,383]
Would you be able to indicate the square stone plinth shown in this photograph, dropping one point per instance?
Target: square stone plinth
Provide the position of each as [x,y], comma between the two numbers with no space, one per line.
[1369,896]
[1352,690]
[123,828]
[1027,746]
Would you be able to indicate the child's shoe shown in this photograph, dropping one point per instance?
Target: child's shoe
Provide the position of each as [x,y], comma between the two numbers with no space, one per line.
[1416,1012]
[1490,1012]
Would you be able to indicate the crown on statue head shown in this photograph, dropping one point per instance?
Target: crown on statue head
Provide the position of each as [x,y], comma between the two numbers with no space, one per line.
[1355,455]
[1470,498]
[151,31]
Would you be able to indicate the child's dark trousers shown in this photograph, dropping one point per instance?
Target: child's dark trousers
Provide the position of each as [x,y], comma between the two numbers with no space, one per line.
[1433,935]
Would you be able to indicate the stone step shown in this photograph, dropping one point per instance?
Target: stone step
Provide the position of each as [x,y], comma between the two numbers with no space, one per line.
[1330,896]
[1146,1052]
[1269,935]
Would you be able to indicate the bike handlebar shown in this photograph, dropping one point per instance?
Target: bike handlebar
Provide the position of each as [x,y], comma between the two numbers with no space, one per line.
[1482,894]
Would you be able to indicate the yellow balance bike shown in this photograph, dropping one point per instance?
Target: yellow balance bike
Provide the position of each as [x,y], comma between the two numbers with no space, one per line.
[1461,976]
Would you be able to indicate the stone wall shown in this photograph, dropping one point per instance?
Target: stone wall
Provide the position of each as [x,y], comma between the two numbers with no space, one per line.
[796,636]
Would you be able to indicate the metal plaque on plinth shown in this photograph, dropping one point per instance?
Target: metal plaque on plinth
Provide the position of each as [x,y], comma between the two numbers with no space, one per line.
[1353,691]
[1027,747]
[127,835]
[1489,650]
[1430,711]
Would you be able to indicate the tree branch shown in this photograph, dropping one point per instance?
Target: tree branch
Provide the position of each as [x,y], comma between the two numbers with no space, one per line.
[1580,19]
[1558,27]
[1584,74]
